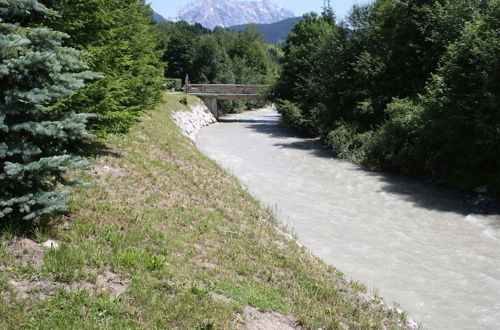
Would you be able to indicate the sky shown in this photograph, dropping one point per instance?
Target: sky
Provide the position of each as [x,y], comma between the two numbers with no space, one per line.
[169,8]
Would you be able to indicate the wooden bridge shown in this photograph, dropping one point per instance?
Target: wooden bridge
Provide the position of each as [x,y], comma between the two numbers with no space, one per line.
[210,93]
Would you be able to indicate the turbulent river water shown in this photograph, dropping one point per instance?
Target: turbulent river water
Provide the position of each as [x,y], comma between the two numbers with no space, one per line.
[413,242]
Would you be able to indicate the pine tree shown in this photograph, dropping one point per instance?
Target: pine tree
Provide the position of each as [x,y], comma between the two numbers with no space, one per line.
[121,41]
[35,73]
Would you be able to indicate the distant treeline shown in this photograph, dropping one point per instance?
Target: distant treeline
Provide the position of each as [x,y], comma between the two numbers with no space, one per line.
[220,56]
[410,85]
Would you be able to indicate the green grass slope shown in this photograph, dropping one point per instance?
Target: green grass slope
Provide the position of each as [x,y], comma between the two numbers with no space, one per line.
[164,238]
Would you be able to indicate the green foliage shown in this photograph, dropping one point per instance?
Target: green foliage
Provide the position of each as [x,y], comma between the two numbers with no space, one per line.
[210,62]
[173,83]
[301,58]
[348,142]
[120,41]
[250,57]
[219,57]
[462,106]
[395,143]
[292,116]
[36,73]
[404,85]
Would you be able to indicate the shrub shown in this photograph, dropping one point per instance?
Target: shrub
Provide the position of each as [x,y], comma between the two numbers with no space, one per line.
[292,117]
[395,144]
[348,143]
[173,83]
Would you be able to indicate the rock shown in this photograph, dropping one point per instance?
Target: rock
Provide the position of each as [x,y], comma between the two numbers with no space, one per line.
[287,236]
[28,244]
[256,320]
[50,244]
[109,284]
[191,122]
[39,289]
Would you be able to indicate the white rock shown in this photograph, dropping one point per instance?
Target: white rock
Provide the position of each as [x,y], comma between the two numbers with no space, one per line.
[50,244]
[191,122]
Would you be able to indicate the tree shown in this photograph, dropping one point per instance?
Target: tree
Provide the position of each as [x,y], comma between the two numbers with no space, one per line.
[210,62]
[121,41]
[178,55]
[251,59]
[461,132]
[36,72]
[298,83]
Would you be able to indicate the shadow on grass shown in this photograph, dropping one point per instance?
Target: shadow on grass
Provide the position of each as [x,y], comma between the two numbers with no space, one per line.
[40,230]
[92,149]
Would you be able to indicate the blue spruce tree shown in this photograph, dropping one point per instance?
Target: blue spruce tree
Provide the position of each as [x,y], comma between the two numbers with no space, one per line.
[36,72]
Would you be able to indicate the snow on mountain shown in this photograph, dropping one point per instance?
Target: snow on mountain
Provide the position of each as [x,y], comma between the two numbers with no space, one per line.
[225,13]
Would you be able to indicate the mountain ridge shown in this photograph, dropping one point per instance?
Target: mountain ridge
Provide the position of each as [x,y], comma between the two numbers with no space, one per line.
[158,18]
[273,33]
[226,13]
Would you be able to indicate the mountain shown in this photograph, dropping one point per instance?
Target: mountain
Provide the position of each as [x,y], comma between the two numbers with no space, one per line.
[273,33]
[225,13]
[158,18]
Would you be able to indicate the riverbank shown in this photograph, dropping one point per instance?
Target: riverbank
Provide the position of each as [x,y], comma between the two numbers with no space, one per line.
[164,238]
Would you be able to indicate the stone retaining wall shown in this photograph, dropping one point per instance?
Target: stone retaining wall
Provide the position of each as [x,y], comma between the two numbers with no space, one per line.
[191,122]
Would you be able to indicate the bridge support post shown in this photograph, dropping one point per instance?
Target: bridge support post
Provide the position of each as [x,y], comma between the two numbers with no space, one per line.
[211,103]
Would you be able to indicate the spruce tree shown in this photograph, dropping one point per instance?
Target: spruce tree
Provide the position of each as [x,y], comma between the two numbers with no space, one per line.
[121,41]
[36,72]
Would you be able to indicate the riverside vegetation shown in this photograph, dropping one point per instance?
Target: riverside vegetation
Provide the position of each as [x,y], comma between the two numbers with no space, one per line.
[409,86]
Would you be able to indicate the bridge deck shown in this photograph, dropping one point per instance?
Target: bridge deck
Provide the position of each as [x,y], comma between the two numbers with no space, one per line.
[221,89]
[229,96]
[210,93]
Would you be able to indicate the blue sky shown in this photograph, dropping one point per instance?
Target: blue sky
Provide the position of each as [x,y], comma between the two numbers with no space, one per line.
[169,8]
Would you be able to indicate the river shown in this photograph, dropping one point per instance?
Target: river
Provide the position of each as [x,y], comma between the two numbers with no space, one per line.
[415,243]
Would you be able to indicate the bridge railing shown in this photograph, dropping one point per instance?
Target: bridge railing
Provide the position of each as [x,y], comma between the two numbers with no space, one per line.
[224,89]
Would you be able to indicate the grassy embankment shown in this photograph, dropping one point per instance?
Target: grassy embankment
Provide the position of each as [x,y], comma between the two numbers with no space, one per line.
[180,236]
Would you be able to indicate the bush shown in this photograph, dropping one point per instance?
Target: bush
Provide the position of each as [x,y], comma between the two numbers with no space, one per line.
[173,83]
[348,143]
[292,117]
[395,144]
